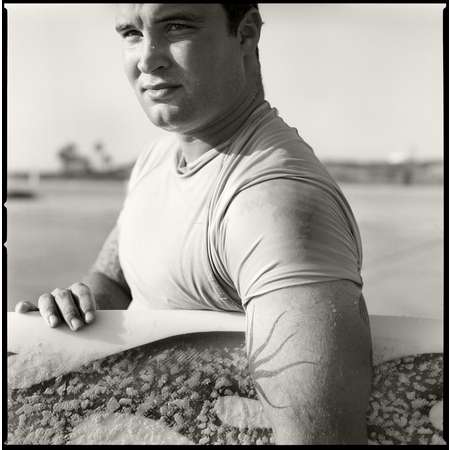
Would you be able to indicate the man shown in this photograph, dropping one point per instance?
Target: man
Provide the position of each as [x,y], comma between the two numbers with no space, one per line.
[232,211]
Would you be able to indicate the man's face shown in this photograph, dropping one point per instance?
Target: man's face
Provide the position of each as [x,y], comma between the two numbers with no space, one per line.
[184,65]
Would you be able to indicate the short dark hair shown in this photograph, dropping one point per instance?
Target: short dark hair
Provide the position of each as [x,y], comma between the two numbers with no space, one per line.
[235,13]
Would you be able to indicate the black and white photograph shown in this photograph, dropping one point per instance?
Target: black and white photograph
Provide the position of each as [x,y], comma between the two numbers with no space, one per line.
[224,223]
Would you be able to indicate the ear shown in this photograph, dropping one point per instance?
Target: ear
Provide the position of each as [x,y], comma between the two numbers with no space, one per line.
[249,31]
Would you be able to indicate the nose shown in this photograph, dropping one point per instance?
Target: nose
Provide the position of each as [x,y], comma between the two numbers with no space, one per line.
[152,57]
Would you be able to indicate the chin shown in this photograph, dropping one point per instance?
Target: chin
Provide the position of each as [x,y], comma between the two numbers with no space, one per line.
[170,117]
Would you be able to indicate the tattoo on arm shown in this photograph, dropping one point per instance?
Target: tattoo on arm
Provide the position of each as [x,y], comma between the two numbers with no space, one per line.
[255,364]
[108,263]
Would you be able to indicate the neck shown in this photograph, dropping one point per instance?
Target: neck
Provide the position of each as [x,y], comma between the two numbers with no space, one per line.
[197,142]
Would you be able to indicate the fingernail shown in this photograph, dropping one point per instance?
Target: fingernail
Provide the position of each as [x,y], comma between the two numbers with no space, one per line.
[76,323]
[89,317]
[23,307]
[52,320]
[20,307]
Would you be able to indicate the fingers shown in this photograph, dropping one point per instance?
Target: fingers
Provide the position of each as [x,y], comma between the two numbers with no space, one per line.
[48,309]
[24,307]
[85,301]
[74,306]
[68,308]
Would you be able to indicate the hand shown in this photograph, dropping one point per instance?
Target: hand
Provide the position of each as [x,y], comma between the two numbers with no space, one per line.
[75,306]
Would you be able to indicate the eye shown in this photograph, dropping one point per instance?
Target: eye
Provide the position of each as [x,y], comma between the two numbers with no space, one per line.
[177,27]
[131,35]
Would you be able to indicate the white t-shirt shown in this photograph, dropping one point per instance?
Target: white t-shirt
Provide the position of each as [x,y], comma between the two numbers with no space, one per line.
[256,214]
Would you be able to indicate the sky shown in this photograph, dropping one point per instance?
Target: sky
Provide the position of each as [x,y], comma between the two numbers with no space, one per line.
[358,81]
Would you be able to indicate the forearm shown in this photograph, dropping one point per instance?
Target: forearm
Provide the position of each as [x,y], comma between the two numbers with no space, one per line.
[311,366]
[106,279]
[107,293]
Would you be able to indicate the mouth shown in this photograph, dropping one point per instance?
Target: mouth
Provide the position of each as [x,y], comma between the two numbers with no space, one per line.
[160,91]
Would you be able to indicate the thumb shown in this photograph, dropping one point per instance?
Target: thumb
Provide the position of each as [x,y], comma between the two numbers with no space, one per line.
[24,307]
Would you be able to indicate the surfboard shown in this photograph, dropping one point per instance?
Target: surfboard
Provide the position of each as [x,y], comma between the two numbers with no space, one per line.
[185,372]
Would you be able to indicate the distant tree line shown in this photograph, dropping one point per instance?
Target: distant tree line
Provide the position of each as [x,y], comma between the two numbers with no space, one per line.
[73,162]
[408,172]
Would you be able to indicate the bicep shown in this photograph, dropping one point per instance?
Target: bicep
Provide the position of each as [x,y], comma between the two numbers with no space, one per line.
[309,356]
[286,233]
[108,262]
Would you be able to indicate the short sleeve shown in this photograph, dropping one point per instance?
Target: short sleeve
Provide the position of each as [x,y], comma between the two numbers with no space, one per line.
[283,233]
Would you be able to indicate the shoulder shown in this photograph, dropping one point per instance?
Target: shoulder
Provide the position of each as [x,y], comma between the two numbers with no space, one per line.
[277,200]
[153,150]
[149,158]
[275,152]
[285,212]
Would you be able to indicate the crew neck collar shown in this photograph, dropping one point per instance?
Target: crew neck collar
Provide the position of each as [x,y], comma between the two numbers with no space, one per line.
[184,169]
